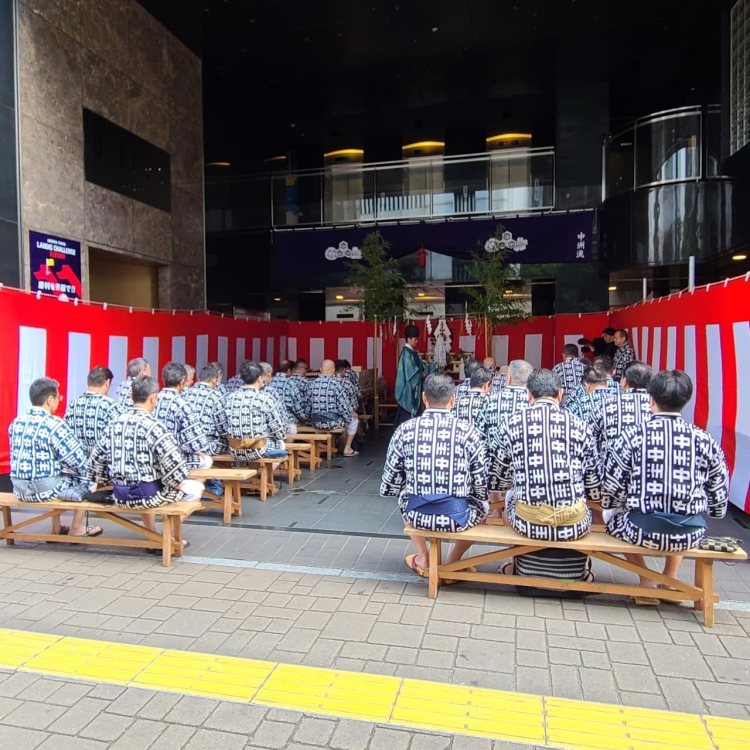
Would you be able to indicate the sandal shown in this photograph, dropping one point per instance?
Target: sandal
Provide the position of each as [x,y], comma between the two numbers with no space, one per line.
[411,562]
[646,601]
[451,581]
[91,532]
[350,455]
[64,531]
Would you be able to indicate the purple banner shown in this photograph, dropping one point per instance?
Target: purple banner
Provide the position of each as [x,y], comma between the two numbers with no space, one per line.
[558,238]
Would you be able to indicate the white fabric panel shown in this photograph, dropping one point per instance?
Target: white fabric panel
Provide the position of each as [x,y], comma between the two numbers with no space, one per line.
[178,349]
[32,361]
[500,350]
[223,350]
[380,354]
[151,354]
[239,355]
[317,353]
[569,338]
[671,347]
[79,359]
[468,343]
[715,382]
[282,347]
[636,343]
[346,349]
[656,356]
[644,346]
[269,352]
[292,348]
[741,476]
[201,352]
[688,412]
[533,350]
[256,350]
[117,360]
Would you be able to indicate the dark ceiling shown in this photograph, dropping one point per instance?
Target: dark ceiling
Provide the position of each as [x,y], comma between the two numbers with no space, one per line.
[312,75]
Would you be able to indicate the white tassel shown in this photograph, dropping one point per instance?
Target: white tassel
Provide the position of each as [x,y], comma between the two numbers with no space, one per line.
[469,325]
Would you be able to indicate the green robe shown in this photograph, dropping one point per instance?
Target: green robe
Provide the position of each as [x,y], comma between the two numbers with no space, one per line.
[409,379]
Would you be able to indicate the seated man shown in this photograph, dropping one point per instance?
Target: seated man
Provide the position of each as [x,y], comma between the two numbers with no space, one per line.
[353,379]
[209,407]
[331,407]
[141,459]
[342,376]
[89,415]
[468,404]
[547,459]
[501,403]
[235,381]
[632,407]
[662,475]
[595,395]
[606,365]
[570,370]
[470,367]
[190,370]
[436,467]
[180,419]
[277,388]
[47,461]
[221,389]
[499,375]
[136,368]
[255,424]
[297,393]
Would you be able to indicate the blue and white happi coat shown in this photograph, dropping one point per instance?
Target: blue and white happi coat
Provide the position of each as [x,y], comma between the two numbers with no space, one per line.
[468,404]
[586,406]
[297,397]
[350,390]
[255,414]
[124,393]
[546,456]
[570,372]
[180,419]
[136,448]
[623,357]
[43,446]
[89,415]
[499,381]
[463,386]
[500,404]
[209,407]
[276,388]
[353,378]
[631,407]
[233,384]
[665,465]
[437,454]
[328,397]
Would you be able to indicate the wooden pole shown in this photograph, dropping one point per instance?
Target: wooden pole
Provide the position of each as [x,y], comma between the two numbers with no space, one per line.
[487,344]
[375,405]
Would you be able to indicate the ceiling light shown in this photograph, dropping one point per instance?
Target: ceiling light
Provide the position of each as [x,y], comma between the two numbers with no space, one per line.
[345,152]
[277,299]
[218,164]
[420,294]
[740,256]
[424,144]
[339,296]
[508,137]
[276,158]
[612,288]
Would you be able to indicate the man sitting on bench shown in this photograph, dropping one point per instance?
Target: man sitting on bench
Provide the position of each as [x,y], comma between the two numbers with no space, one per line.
[331,407]
[436,467]
[47,461]
[503,402]
[468,404]
[141,459]
[255,425]
[136,368]
[277,387]
[662,475]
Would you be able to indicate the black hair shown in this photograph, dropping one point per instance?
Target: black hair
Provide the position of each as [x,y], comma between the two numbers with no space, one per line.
[41,389]
[99,376]
[671,389]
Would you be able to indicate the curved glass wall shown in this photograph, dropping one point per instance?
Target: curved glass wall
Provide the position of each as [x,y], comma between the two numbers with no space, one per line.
[678,145]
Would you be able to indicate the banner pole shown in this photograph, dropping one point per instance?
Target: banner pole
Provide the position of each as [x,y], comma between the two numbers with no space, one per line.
[375,405]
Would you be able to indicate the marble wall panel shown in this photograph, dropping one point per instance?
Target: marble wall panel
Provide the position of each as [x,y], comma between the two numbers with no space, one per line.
[104,30]
[185,82]
[149,51]
[187,228]
[149,116]
[108,218]
[64,14]
[106,91]
[187,287]
[152,232]
[186,146]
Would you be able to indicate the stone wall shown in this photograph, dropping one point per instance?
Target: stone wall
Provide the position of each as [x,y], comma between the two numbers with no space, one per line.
[111,57]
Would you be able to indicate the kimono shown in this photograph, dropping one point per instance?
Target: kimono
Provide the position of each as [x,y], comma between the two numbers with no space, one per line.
[500,404]
[89,416]
[124,394]
[255,414]
[610,418]
[546,456]
[624,356]
[665,465]
[330,405]
[437,454]
[209,406]
[585,407]
[135,449]
[44,450]
[409,381]
[179,418]
[570,372]
[467,405]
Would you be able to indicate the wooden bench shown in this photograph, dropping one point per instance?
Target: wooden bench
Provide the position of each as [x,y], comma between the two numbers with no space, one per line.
[231,502]
[296,451]
[319,443]
[331,435]
[596,544]
[169,541]
[262,481]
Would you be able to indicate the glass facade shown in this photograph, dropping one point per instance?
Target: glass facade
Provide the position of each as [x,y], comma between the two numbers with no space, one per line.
[740,76]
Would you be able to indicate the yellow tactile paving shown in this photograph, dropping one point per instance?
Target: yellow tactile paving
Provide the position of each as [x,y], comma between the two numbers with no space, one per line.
[525,719]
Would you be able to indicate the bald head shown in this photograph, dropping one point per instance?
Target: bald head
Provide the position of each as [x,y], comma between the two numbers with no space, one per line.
[489,363]
[328,367]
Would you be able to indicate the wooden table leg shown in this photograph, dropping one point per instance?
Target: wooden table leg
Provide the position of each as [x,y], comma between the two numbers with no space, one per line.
[8,521]
[228,499]
[166,540]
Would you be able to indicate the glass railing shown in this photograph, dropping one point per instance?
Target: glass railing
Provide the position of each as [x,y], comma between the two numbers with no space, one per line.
[500,182]
[677,145]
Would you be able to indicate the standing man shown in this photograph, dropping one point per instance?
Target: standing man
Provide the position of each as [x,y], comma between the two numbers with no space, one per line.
[409,378]
[625,353]
[136,368]
[610,347]
[570,370]
[180,419]
[89,415]
[436,467]
[331,406]
[47,462]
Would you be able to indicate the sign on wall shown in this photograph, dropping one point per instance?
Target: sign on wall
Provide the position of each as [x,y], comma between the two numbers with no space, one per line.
[55,265]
